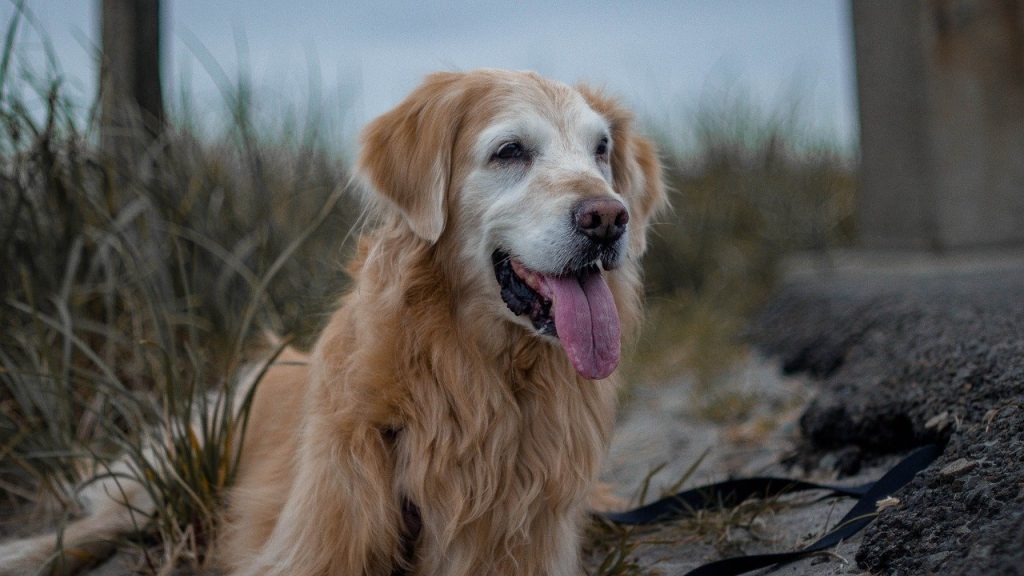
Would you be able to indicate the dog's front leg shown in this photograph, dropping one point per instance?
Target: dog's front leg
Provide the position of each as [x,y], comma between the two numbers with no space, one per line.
[342,516]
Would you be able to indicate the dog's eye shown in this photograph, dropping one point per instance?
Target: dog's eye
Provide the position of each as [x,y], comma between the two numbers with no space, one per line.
[602,148]
[510,151]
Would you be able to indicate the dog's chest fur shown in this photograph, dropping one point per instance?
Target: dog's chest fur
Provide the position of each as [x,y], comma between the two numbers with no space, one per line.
[496,452]
[502,475]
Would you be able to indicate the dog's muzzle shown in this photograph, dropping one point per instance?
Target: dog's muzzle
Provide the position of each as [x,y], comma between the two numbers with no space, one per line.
[576,305]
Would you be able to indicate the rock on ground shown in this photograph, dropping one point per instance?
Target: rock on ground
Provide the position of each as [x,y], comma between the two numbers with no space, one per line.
[908,358]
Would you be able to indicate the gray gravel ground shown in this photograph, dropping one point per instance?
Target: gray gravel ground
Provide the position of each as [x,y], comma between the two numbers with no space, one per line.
[908,355]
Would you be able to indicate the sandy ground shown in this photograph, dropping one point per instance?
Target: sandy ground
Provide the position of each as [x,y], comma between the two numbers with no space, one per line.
[660,429]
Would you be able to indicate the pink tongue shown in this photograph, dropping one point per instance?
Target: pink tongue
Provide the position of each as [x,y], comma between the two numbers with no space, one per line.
[587,323]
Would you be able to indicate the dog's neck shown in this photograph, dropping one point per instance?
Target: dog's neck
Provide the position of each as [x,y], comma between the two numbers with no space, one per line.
[435,300]
[399,276]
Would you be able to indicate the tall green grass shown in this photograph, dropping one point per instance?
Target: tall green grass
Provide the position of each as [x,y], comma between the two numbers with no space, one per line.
[131,293]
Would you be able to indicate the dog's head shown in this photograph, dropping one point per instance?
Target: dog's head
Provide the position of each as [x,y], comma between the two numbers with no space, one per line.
[541,190]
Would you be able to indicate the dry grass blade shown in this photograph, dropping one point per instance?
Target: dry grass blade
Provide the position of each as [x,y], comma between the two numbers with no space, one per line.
[9,37]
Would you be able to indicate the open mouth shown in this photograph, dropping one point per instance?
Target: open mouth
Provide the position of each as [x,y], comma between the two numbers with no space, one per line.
[576,307]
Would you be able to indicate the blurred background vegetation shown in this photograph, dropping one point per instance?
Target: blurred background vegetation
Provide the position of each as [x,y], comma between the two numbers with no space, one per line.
[133,283]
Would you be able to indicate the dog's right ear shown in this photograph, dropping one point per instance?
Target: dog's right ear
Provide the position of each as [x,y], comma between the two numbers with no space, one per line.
[406,154]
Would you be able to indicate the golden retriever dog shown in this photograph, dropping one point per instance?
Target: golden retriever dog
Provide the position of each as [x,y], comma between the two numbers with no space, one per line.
[452,417]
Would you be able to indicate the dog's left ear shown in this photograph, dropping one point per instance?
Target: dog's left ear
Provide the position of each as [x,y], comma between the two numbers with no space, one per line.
[636,170]
[406,153]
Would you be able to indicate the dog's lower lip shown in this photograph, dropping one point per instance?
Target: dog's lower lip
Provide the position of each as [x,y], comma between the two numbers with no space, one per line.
[522,291]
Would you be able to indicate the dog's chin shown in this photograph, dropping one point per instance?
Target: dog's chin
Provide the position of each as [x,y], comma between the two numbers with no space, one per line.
[574,307]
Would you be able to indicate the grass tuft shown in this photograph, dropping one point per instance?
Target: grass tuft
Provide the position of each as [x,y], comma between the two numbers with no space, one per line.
[133,293]
[747,186]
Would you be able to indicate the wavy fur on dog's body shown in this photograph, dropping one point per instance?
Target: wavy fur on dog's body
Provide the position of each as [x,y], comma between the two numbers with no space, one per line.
[424,389]
[497,442]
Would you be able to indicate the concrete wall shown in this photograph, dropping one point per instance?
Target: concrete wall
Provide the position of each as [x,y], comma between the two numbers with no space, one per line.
[941,91]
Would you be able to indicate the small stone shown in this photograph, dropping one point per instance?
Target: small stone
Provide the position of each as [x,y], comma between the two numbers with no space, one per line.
[939,422]
[935,560]
[887,502]
[828,461]
[957,467]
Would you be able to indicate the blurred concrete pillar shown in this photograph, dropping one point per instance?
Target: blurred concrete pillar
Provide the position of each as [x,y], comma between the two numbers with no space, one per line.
[941,91]
[131,98]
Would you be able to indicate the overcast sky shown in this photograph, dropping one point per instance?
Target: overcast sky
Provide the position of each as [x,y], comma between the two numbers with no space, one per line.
[661,56]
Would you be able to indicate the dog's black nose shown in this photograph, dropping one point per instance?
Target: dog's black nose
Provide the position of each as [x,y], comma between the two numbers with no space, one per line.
[601,219]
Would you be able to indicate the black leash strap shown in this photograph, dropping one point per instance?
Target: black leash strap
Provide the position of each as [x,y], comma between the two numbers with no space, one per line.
[724,495]
[732,492]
